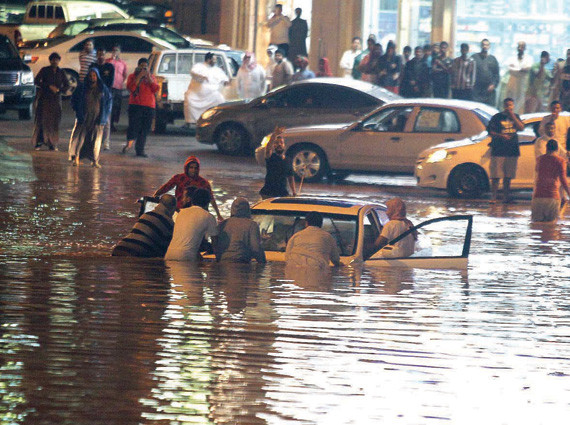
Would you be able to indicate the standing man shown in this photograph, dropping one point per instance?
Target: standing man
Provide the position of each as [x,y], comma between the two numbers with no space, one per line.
[347,60]
[440,70]
[463,75]
[518,67]
[564,83]
[562,124]
[505,150]
[390,66]
[204,90]
[370,43]
[142,102]
[51,82]
[298,36]
[415,79]
[250,78]
[270,66]
[312,246]
[539,85]
[107,73]
[278,169]
[87,57]
[550,175]
[278,26]
[118,84]
[283,71]
[487,72]
[541,142]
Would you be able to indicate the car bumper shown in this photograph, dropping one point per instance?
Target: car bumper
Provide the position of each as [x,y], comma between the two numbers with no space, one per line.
[16,97]
[205,132]
[432,175]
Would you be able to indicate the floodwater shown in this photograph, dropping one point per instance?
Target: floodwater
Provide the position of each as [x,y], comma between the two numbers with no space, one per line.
[90,339]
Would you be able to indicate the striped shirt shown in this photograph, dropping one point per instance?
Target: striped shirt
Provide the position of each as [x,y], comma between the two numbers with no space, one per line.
[150,236]
[462,73]
[85,61]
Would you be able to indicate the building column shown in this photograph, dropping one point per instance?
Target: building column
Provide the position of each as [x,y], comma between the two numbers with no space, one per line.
[443,22]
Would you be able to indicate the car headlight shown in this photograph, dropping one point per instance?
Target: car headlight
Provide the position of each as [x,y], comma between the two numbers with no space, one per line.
[209,114]
[27,77]
[439,156]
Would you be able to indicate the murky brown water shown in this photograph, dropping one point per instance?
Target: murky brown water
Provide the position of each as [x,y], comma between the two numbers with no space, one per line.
[90,339]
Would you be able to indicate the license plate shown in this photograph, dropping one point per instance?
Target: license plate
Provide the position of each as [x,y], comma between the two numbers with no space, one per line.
[1,97]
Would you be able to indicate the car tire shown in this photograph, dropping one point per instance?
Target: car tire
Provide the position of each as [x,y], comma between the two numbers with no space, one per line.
[231,139]
[309,161]
[467,181]
[25,114]
[73,79]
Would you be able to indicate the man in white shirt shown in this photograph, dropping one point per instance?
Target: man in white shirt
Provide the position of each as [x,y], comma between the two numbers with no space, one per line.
[347,60]
[312,246]
[191,226]
[204,89]
[519,68]
[562,123]
[279,25]
[540,143]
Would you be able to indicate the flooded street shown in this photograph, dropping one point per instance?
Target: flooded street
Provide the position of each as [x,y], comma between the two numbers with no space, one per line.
[93,339]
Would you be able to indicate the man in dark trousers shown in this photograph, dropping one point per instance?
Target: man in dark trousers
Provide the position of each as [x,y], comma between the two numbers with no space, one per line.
[505,150]
[298,36]
[278,168]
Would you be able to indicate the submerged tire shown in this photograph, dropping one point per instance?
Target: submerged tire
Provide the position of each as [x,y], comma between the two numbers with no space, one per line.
[467,181]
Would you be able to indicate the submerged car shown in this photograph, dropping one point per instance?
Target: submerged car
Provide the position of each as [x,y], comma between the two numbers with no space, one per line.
[386,140]
[443,242]
[239,127]
[462,167]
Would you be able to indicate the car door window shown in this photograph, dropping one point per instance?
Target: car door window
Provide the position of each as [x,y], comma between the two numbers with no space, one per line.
[303,96]
[436,120]
[371,233]
[184,63]
[219,61]
[168,64]
[388,120]
[59,13]
[342,97]
[41,12]
[134,45]
[49,12]
[33,12]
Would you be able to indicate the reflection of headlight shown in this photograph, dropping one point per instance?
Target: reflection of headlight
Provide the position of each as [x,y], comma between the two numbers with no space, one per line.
[27,78]
[439,156]
[209,114]
[265,140]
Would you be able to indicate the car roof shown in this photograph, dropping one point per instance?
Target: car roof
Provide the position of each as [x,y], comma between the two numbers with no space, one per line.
[93,34]
[464,104]
[363,86]
[324,205]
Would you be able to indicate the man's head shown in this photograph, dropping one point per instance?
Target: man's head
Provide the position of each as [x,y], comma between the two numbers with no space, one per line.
[427,49]
[279,55]
[555,108]
[370,42]
[298,12]
[551,146]
[418,52]
[279,145]
[521,47]
[314,218]
[116,52]
[169,203]
[271,51]
[391,48]
[356,43]
[92,77]
[201,198]
[192,166]
[88,46]
[209,59]
[54,59]
[278,10]
[443,47]
[509,104]
[143,63]
[407,51]
[485,45]
[549,128]
[464,49]
[435,49]
[544,57]
[187,196]
[101,55]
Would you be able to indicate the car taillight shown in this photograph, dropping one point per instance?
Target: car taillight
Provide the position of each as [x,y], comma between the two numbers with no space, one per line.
[34,59]
[164,91]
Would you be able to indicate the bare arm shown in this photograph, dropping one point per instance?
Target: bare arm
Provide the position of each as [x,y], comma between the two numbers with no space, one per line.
[291,181]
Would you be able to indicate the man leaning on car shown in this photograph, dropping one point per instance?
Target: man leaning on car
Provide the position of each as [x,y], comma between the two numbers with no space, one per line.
[505,150]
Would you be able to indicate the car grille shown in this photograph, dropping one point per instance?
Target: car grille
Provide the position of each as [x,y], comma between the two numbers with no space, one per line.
[8,78]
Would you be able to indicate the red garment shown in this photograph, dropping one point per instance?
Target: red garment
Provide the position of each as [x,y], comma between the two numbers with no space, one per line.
[324,68]
[144,96]
[550,173]
[182,181]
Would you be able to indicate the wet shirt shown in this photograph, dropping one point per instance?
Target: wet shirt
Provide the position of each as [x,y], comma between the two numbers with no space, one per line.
[312,247]
[181,182]
[550,174]
[239,241]
[502,123]
[278,169]
[192,225]
[402,248]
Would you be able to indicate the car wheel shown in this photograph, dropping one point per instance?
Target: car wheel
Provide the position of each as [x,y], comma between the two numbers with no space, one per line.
[25,114]
[73,79]
[309,162]
[231,139]
[467,181]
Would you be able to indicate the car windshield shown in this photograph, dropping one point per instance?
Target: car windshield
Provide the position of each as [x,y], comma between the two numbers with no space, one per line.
[277,227]
[170,36]
[7,49]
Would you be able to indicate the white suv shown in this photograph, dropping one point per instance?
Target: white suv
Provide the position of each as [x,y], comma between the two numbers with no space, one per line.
[172,69]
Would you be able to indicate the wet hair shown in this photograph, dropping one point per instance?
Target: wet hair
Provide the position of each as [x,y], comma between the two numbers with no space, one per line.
[209,56]
[201,198]
[551,145]
[314,218]
[356,38]
[142,60]
[54,55]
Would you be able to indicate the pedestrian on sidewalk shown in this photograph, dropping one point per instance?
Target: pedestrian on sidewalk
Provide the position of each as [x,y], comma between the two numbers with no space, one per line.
[440,72]
[347,60]
[142,103]
[279,25]
[51,82]
[463,75]
[487,75]
[118,84]
[250,78]
[298,32]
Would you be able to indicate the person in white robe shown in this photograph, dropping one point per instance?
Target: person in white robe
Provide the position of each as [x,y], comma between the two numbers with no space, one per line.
[519,70]
[347,60]
[250,78]
[204,90]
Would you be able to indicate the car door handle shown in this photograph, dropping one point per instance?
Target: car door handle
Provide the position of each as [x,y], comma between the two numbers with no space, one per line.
[395,139]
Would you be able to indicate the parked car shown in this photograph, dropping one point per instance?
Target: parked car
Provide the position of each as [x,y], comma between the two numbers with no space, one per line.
[172,69]
[386,140]
[17,89]
[152,30]
[134,46]
[42,16]
[462,167]
[239,127]
[72,28]
[158,13]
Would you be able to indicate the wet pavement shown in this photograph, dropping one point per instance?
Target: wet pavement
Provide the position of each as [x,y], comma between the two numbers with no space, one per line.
[91,339]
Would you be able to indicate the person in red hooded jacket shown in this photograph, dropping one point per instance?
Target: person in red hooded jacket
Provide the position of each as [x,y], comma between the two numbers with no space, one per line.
[189,178]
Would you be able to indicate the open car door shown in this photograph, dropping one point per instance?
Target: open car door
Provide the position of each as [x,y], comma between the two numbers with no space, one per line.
[443,243]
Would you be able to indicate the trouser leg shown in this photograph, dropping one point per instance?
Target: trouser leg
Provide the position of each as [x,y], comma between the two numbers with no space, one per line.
[494,188]
[146,116]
